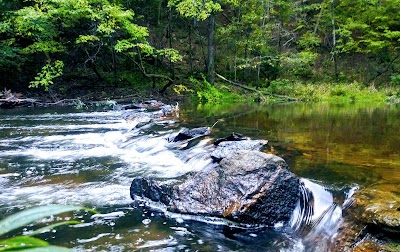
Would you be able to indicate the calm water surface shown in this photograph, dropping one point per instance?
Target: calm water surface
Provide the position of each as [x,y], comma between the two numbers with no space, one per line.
[90,158]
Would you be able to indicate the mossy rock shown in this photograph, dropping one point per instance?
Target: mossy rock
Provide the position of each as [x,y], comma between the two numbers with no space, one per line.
[378,208]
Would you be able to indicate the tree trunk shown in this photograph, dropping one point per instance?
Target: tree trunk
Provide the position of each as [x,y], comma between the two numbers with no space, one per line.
[334,52]
[171,64]
[211,49]
[190,47]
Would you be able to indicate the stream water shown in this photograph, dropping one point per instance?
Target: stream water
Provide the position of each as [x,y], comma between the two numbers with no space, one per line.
[89,157]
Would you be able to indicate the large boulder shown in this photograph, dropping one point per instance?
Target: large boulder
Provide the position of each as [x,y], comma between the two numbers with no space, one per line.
[249,187]
[226,148]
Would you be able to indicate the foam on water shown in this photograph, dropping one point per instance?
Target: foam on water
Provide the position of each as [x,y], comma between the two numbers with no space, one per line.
[91,158]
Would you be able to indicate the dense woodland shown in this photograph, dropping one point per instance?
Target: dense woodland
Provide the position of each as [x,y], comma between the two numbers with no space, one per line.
[64,45]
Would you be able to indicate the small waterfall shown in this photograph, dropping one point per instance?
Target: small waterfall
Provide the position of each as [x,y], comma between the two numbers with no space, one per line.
[317,215]
[91,158]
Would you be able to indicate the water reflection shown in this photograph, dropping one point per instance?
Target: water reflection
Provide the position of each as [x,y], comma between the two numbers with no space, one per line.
[90,158]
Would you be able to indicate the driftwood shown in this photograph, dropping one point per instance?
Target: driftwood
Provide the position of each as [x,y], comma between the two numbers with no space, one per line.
[9,99]
[12,103]
[262,93]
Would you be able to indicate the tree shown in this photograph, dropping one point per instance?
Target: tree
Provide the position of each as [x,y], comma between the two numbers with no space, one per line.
[202,10]
[49,31]
[371,28]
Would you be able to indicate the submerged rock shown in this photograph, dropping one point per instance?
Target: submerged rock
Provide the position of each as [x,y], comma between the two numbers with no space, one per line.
[378,209]
[226,148]
[373,209]
[249,187]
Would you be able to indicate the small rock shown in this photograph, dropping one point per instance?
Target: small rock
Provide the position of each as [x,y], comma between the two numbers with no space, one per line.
[232,137]
[191,133]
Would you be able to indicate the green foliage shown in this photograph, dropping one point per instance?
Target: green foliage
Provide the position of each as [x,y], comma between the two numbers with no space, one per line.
[395,79]
[10,56]
[170,54]
[299,64]
[281,86]
[349,40]
[309,40]
[46,28]
[198,9]
[207,93]
[328,91]
[181,89]
[22,242]
[368,26]
[28,216]
[47,74]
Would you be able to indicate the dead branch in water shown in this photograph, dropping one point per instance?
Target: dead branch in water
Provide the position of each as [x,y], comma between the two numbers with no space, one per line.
[262,93]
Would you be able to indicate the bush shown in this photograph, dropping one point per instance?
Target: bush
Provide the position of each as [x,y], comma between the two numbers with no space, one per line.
[205,92]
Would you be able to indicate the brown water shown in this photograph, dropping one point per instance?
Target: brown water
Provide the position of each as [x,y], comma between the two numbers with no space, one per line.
[90,158]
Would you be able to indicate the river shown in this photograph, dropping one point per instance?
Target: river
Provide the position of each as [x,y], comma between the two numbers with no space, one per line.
[89,157]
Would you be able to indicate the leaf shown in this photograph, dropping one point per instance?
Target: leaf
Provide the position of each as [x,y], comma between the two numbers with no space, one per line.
[50,227]
[21,242]
[48,249]
[30,215]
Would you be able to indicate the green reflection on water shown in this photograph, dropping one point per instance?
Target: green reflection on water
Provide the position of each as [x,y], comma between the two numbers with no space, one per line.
[332,143]
[335,144]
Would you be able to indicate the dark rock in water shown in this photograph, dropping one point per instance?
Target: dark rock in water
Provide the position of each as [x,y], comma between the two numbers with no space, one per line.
[226,148]
[133,106]
[143,187]
[152,104]
[232,137]
[248,187]
[191,133]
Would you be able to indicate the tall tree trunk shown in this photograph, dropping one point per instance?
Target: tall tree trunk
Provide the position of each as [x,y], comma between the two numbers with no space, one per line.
[211,49]
[190,47]
[114,63]
[334,52]
[171,64]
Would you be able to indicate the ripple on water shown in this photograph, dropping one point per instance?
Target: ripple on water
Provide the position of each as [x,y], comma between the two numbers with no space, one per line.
[91,158]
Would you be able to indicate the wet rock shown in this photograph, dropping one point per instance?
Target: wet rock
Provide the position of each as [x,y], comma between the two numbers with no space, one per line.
[248,187]
[191,133]
[143,187]
[226,148]
[169,110]
[374,211]
[133,106]
[378,209]
[232,137]
[152,104]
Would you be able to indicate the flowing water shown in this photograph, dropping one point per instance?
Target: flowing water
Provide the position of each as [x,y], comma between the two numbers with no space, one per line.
[89,157]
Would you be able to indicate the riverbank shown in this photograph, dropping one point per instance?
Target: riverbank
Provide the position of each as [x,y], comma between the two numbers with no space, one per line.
[200,91]
[287,90]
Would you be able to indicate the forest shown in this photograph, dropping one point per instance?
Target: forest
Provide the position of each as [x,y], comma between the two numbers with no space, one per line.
[200,125]
[207,48]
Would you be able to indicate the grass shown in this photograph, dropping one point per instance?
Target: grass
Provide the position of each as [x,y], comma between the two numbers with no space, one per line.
[313,92]
[334,92]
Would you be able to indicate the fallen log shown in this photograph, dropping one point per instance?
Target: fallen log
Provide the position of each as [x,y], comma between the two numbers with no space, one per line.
[262,93]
